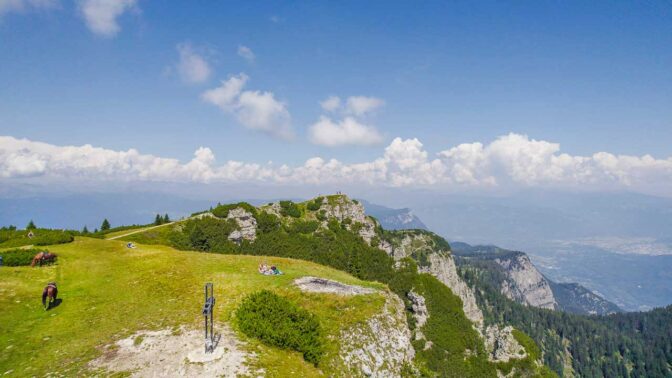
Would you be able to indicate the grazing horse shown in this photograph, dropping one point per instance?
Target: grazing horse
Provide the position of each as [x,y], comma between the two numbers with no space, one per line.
[43,258]
[49,295]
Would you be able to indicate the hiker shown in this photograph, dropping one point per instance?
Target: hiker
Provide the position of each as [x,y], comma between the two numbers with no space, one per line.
[275,271]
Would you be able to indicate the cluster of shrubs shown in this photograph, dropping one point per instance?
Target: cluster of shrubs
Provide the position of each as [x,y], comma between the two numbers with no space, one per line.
[222,211]
[279,322]
[302,227]
[11,237]
[290,209]
[18,257]
[315,204]
[206,234]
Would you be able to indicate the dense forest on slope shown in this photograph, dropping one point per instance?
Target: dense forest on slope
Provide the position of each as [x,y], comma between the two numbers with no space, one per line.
[617,345]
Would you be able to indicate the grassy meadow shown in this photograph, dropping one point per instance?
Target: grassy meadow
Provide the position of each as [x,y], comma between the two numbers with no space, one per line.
[109,291]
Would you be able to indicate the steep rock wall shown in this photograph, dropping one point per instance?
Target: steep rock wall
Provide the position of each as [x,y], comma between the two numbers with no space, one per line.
[525,284]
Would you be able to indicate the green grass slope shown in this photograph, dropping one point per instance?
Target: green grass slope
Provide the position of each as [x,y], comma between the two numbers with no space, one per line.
[109,292]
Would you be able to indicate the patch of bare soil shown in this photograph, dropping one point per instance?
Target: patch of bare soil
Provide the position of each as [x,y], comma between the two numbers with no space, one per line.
[170,353]
[323,285]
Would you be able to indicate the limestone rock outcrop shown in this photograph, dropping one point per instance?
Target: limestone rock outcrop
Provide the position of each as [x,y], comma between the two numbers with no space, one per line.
[381,346]
[501,345]
[247,225]
[525,284]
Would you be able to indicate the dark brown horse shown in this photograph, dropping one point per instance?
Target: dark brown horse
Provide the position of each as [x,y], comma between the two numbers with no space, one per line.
[49,295]
[43,258]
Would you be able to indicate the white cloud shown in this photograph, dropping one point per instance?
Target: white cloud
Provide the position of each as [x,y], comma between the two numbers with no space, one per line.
[360,105]
[253,109]
[246,53]
[101,15]
[326,132]
[354,105]
[508,162]
[192,67]
[331,104]
[350,130]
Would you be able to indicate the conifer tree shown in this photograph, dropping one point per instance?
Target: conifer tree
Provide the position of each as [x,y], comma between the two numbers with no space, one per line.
[105,226]
[166,219]
[85,230]
[158,220]
[31,225]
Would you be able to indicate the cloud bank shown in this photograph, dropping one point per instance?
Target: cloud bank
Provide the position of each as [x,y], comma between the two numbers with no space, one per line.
[253,109]
[509,161]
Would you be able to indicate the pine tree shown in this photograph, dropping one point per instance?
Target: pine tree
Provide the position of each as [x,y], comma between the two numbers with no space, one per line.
[158,220]
[85,230]
[31,225]
[105,226]
[166,219]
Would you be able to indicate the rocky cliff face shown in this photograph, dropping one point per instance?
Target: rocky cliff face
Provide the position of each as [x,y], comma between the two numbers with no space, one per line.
[381,347]
[443,268]
[525,284]
[435,258]
[341,207]
[522,282]
[502,345]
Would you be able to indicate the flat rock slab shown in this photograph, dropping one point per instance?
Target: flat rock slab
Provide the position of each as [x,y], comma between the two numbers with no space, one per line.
[166,353]
[323,285]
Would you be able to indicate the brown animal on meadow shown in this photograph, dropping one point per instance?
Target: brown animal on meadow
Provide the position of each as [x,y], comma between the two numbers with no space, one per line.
[43,258]
[49,295]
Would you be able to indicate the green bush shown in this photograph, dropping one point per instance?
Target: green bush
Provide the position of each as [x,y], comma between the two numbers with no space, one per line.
[222,211]
[289,209]
[321,215]
[207,234]
[41,236]
[267,222]
[315,204]
[279,322]
[18,257]
[303,227]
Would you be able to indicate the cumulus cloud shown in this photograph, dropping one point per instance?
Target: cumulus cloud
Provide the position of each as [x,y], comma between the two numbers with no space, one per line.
[246,53]
[509,161]
[101,15]
[7,6]
[360,105]
[331,104]
[350,130]
[192,67]
[326,132]
[253,109]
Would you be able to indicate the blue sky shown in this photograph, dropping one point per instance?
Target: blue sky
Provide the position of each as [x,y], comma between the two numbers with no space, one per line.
[589,76]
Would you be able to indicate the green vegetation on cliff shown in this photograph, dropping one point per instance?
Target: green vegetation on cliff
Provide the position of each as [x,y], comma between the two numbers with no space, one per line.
[618,345]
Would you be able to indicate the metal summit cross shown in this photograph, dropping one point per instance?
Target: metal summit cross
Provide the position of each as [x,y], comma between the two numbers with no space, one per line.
[208,308]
